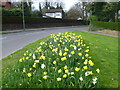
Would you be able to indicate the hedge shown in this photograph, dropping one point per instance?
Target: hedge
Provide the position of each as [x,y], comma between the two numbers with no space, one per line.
[37,22]
[107,25]
[11,12]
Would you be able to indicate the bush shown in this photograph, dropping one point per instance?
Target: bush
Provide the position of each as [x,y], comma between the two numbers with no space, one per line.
[93,18]
[107,25]
[36,14]
[12,12]
[62,61]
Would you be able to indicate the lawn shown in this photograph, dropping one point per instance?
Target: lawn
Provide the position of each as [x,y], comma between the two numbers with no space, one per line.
[103,49]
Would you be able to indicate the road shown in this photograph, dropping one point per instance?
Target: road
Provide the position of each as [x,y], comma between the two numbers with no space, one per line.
[14,41]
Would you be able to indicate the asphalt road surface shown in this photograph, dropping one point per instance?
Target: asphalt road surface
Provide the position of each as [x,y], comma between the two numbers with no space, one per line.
[14,41]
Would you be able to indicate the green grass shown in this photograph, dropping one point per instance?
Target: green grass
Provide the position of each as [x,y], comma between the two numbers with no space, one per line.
[104,52]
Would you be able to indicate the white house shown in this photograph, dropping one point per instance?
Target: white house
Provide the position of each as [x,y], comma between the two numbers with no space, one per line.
[55,13]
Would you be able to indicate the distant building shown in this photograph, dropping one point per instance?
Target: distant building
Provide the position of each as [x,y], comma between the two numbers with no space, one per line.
[6,5]
[54,13]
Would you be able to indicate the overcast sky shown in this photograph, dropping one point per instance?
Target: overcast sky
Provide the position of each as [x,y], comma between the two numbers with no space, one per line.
[67,3]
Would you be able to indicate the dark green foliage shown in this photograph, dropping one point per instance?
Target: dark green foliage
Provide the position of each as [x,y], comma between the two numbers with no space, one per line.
[107,25]
[36,14]
[105,11]
[12,12]
[27,9]
[37,22]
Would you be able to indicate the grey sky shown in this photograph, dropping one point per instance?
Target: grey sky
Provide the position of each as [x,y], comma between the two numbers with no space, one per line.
[67,3]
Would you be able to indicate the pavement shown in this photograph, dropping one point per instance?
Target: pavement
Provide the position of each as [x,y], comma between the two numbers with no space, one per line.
[17,39]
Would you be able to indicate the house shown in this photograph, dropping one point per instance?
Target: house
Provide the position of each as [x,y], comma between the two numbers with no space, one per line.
[54,13]
[6,5]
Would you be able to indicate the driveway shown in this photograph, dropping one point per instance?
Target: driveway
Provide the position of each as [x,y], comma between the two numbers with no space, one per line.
[14,41]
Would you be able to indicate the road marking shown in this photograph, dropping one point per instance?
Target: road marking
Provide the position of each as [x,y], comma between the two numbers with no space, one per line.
[3,38]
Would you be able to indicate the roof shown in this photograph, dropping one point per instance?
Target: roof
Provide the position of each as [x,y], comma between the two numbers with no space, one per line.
[4,3]
[53,10]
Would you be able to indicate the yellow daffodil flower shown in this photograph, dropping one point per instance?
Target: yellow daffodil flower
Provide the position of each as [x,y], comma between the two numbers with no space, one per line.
[66,71]
[54,62]
[65,54]
[91,63]
[85,67]
[72,73]
[77,69]
[45,73]
[86,55]
[24,70]
[72,52]
[59,79]
[45,77]
[98,70]
[64,58]
[29,74]
[65,75]
[80,54]
[81,79]
[59,71]
[65,67]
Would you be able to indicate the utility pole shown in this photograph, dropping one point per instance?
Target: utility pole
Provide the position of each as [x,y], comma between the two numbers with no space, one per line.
[23,15]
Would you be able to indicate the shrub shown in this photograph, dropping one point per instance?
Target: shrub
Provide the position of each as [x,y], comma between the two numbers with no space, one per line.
[107,25]
[62,61]
[12,12]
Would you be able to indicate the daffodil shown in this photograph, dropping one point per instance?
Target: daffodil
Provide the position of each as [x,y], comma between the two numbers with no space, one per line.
[65,75]
[72,52]
[90,73]
[87,50]
[85,67]
[66,71]
[45,73]
[36,61]
[30,54]
[45,77]
[34,65]
[60,53]
[59,71]
[81,79]
[59,79]
[24,70]
[65,67]
[25,54]
[42,57]
[29,74]
[91,63]
[65,54]
[98,70]
[77,69]
[63,58]
[43,66]
[80,54]
[86,61]
[20,84]
[72,73]
[34,57]
[86,55]
[83,58]
[20,60]
[54,62]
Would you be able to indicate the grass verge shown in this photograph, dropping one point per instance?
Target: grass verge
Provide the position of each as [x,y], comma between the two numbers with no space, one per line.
[104,52]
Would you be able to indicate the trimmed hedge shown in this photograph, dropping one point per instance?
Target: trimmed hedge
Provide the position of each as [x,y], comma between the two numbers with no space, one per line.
[37,22]
[11,12]
[107,25]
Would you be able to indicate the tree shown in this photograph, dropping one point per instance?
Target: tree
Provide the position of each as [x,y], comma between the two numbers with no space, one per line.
[40,10]
[105,11]
[74,12]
